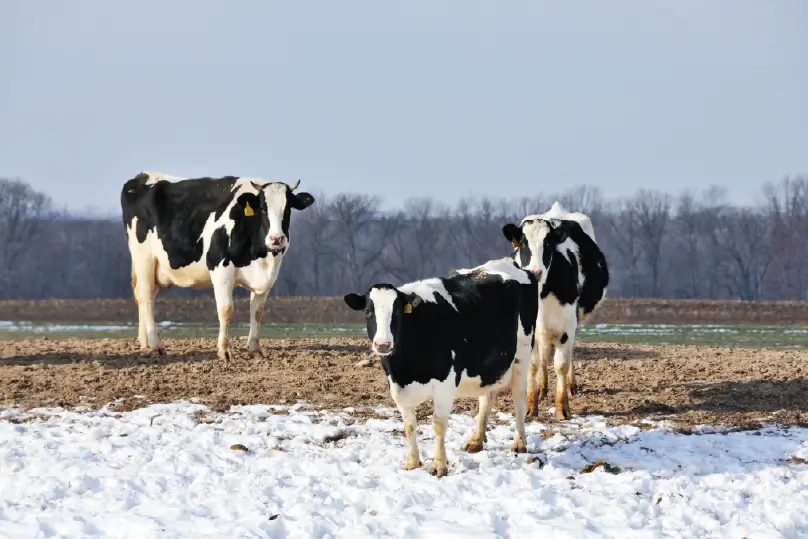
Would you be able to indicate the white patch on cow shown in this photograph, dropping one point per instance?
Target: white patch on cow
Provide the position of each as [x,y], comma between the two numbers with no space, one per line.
[556,318]
[413,394]
[428,290]
[155,177]
[275,194]
[502,267]
[558,212]
[383,300]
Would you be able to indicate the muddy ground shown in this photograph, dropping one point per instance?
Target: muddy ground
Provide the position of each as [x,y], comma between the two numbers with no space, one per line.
[691,385]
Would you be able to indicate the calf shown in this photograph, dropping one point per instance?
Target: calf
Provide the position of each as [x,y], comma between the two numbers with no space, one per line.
[572,276]
[208,233]
[466,335]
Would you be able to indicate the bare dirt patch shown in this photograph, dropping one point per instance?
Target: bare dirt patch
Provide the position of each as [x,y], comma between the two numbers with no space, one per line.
[691,385]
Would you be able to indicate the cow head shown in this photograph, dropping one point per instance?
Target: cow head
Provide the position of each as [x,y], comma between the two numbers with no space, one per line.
[277,201]
[385,308]
[535,241]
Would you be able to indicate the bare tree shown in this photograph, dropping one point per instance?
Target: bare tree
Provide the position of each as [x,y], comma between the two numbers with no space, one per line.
[414,249]
[744,239]
[623,229]
[22,212]
[787,209]
[585,199]
[652,214]
[361,233]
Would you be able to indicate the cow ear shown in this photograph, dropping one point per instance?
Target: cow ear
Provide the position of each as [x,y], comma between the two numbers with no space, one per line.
[301,201]
[356,302]
[413,301]
[512,233]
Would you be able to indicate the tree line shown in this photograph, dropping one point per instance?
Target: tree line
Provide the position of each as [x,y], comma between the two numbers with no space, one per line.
[657,245]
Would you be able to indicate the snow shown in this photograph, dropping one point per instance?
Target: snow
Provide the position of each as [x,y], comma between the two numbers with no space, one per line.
[162,472]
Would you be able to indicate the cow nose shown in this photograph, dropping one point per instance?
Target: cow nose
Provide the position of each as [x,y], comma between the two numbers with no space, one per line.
[277,239]
[383,347]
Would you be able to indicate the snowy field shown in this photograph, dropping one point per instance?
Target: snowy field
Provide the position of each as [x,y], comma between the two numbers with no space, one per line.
[163,472]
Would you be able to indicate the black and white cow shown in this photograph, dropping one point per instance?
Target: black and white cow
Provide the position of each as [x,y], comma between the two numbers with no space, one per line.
[466,335]
[559,249]
[206,232]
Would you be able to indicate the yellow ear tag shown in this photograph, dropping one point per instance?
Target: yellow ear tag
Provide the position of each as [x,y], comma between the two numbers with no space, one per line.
[248,211]
[408,308]
[515,243]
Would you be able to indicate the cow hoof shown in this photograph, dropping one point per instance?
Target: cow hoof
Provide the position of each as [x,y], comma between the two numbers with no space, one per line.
[562,414]
[225,355]
[257,354]
[542,394]
[519,447]
[473,446]
[439,470]
[412,465]
[159,351]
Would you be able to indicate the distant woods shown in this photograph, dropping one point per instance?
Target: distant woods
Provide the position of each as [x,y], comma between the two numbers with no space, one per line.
[694,245]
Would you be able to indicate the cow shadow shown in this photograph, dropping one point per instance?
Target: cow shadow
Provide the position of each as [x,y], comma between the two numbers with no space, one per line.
[764,397]
[319,347]
[585,352]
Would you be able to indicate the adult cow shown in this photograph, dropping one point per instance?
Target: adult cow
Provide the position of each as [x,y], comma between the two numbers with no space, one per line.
[469,334]
[206,232]
[559,249]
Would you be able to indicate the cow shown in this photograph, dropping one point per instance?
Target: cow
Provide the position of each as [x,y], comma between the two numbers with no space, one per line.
[468,334]
[207,233]
[559,249]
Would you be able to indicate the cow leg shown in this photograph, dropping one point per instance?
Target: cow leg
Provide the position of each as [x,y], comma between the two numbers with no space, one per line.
[142,339]
[145,292]
[408,415]
[257,302]
[223,283]
[537,378]
[572,385]
[518,376]
[477,440]
[443,399]
[561,363]
[532,381]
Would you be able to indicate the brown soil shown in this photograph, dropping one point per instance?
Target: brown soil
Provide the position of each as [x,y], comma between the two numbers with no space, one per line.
[333,310]
[691,385]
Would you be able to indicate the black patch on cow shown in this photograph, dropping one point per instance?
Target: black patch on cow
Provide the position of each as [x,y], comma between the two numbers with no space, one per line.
[178,212]
[563,274]
[596,275]
[482,333]
[564,337]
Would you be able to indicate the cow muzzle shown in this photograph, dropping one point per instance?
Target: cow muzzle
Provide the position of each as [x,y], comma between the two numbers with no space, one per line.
[537,272]
[382,348]
[277,242]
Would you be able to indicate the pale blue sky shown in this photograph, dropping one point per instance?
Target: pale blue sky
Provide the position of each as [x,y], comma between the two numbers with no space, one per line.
[443,99]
